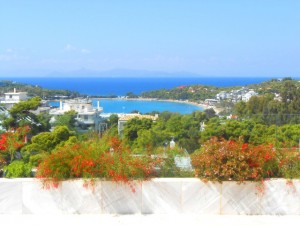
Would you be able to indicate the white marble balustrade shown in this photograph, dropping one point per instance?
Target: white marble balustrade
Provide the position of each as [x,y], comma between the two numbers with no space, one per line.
[157,196]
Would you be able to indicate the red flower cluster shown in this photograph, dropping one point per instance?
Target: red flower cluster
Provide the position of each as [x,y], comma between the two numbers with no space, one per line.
[221,160]
[12,140]
[90,160]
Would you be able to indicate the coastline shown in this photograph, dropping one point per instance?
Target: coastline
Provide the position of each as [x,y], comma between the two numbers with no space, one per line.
[201,106]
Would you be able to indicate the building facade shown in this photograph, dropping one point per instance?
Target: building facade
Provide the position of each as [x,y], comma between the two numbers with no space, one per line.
[11,98]
[87,116]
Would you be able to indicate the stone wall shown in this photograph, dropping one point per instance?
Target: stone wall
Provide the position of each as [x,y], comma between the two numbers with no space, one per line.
[164,195]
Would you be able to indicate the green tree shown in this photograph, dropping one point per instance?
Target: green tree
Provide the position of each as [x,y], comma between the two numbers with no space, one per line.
[46,142]
[210,113]
[131,95]
[21,116]
[67,119]
[132,127]
[113,120]
[240,109]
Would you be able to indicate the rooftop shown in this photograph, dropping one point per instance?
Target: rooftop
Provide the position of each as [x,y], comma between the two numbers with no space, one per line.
[139,116]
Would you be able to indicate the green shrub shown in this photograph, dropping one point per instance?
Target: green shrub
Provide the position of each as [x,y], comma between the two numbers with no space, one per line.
[290,166]
[17,169]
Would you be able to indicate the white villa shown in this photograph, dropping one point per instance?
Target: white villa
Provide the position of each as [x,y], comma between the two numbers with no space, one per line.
[87,115]
[12,98]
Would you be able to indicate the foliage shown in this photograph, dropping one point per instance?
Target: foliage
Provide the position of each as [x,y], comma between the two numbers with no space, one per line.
[185,129]
[46,142]
[25,106]
[97,158]
[33,90]
[131,95]
[221,160]
[17,169]
[67,119]
[11,141]
[193,92]
[113,120]
[270,110]
[167,167]
[20,115]
[133,126]
[290,165]
[252,132]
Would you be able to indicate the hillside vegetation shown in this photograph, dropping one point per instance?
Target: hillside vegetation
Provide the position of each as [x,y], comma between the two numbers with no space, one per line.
[34,90]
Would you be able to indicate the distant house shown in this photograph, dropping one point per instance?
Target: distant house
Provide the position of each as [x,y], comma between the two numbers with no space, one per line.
[277,97]
[123,119]
[12,98]
[222,95]
[246,97]
[87,115]
[211,101]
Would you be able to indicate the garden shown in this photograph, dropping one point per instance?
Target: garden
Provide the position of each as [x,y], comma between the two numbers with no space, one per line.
[59,155]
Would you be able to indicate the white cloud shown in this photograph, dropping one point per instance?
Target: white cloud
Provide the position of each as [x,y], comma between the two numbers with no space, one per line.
[69,48]
[85,51]
[10,54]
[4,57]
[9,50]
[72,48]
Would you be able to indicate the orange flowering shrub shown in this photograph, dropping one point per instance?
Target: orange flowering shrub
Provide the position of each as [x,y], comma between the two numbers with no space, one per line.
[222,160]
[11,141]
[105,158]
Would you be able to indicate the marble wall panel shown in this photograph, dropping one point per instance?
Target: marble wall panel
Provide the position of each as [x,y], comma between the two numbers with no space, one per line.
[199,197]
[37,200]
[80,197]
[240,199]
[121,198]
[174,195]
[281,197]
[10,196]
[162,196]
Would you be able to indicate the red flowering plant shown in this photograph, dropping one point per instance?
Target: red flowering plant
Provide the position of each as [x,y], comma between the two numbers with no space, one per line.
[105,158]
[222,160]
[11,141]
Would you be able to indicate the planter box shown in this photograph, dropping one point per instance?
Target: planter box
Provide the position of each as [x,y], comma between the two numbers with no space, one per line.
[157,196]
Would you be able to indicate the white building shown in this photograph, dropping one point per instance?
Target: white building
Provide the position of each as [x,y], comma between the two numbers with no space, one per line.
[87,115]
[211,102]
[12,98]
[246,97]
[222,95]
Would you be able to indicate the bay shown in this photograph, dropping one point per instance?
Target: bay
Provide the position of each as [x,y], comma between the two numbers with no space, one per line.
[143,106]
[127,106]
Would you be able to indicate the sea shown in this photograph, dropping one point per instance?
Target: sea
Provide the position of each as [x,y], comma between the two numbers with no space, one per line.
[120,86]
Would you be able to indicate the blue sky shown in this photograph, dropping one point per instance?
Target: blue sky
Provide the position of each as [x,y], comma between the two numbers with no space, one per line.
[210,38]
